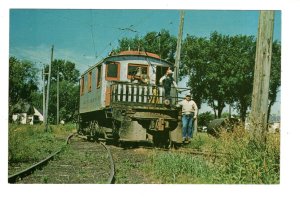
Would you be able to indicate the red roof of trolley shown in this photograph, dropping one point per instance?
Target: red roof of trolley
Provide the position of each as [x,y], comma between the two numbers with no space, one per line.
[129,53]
[143,53]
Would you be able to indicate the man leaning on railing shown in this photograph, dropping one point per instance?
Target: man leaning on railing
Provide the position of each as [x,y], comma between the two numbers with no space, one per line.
[167,80]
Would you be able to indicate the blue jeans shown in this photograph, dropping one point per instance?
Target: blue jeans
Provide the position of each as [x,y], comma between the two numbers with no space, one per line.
[187,125]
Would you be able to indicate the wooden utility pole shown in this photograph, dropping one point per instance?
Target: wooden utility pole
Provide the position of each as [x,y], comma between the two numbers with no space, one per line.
[178,48]
[57,100]
[43,76]
[48,88]
[259,107]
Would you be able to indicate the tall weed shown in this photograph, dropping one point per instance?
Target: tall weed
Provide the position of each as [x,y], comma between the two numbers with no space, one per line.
[30,143]
[250,160]
[240,159]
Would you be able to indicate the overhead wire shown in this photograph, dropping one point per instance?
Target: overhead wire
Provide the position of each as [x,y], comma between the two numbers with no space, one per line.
[92,24]
[126,30]
[112,44]
[36,59]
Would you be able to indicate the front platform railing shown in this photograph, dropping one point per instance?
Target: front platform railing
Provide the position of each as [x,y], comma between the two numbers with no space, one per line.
[140,94]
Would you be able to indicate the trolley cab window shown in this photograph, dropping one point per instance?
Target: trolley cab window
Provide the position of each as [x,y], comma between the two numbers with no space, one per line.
[132,70]
[99,74]
[90,81]
[112,71]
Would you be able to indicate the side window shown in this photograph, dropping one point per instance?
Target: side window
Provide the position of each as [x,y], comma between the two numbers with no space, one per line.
[82,85]
[99,67]
[113,71]
[132,70]
[90,81]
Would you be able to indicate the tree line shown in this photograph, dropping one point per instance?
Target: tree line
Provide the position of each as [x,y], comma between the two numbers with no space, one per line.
[220,67]
[220,70]
[25,79]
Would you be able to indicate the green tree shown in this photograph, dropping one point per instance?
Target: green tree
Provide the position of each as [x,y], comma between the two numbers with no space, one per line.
[23,84]
[68,90]
[221,71]
[207,62]
[161,43]
[205,118]
[195,64]
[242,70]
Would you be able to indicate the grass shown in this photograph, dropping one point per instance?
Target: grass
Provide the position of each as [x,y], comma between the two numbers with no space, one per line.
[244,161]
[29,144]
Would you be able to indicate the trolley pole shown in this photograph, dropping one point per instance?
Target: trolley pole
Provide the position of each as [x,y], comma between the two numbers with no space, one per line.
[48,88]
[259,107]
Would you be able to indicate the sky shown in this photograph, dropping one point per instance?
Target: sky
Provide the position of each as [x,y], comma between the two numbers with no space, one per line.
[86,36]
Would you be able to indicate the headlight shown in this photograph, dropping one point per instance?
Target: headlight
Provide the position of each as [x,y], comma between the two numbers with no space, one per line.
[167,102]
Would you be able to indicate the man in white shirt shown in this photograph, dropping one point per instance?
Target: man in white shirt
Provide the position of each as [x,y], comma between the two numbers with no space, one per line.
[189,114]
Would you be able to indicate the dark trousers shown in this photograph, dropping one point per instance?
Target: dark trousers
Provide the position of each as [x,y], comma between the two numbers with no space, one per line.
[187,125]
[167,92]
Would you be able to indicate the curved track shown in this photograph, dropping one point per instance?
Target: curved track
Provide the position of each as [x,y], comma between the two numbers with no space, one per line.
[78,162]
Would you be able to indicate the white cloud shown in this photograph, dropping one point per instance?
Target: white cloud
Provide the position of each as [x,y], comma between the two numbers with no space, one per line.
[41,55]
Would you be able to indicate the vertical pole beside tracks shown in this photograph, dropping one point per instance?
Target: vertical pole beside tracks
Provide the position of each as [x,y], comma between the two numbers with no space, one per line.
[57,100]
[48,88]
[43,77]
[259,107]
[178,48]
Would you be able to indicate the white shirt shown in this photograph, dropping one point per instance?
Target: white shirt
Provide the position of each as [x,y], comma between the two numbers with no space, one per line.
[163,78]
[189,107]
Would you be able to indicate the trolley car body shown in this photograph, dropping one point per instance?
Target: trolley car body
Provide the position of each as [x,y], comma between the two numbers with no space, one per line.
[116,103]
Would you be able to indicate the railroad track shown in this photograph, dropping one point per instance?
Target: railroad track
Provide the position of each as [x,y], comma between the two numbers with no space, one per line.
[193,151]
[80,161]
[203,153]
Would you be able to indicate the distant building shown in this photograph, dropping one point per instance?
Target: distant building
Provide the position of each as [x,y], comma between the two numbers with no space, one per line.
[25,113]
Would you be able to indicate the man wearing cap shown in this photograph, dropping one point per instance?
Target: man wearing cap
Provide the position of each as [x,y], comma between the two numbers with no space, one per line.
[189,114]
[167,80]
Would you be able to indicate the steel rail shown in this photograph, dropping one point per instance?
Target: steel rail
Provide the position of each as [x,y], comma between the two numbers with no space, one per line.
[111,178]
[13,178]
[191,151]
[205,153]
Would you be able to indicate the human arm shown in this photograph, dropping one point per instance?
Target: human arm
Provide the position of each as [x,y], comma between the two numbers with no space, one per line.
[179,104]
[175,85]
[161,79]
[196,110]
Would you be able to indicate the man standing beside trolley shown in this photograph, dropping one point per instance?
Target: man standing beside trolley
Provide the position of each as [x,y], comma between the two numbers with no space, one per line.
[189,114]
